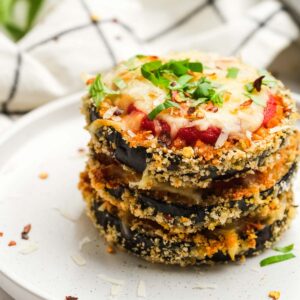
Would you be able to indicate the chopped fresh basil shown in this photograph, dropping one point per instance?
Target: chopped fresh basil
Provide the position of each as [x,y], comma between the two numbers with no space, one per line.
[198,102]
[256,99]
[205,89]
[163,74]
[195,66]
[232,72]
[152,72]
[159,108]
[184,79]
[120,83]
[285,249]
[98,90]
[276,259]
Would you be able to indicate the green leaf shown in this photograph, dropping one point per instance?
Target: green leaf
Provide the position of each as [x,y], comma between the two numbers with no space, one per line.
[152,72]
[184,79]
[120,83]
[98,91]
[198,102]
[232,72]
[163,74]
[276,259]
[217,99]
[285,249]
[195,66]
[159,108]
[34,8]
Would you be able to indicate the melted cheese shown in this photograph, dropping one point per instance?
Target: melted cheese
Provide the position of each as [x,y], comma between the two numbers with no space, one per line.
[230,118]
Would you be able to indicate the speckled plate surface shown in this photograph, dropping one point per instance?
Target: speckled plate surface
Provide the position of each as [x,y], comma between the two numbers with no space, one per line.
[47,141]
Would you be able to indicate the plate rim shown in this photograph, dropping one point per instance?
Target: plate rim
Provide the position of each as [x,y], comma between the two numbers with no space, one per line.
[18,125]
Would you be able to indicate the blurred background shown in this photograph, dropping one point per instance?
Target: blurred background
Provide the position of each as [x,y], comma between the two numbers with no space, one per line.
[46,45]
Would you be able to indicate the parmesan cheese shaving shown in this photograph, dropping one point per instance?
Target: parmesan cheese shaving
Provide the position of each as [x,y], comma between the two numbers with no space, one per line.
[279,128]
[221,139]
[28,247]
[110,280]
[115,290]
[205,286]
[84,241]
[141,289]
[110,112]
[78,259]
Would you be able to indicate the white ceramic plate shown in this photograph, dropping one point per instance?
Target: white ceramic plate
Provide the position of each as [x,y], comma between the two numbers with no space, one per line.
[48,140]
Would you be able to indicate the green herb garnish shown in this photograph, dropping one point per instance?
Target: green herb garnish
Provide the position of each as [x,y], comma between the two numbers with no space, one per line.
[120,83]
[162,75]
[174,76]
[159,108]
[205,89]
[285,249]
[98,91]
[276,259]
[232,72]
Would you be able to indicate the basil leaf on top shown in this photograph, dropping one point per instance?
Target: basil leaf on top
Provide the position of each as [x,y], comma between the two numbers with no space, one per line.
[232,72]
[98,91]
[159,108]
[162,75]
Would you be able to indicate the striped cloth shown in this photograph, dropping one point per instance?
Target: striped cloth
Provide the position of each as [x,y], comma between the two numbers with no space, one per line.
[92,35]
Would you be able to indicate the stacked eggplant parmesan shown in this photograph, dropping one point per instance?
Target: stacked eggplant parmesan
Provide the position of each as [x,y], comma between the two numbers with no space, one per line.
[191,157]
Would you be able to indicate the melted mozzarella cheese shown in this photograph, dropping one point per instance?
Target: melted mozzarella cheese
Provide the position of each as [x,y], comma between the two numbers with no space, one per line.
[230,117]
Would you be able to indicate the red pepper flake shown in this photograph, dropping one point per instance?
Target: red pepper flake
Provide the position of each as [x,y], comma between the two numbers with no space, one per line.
[95,18]
[191,110]
[1,234]
[246,103]
[110,250]
[90,81]
[81,150]
[25,232]
[43,175]
[210,107]
[174,95]
[12,243]
[71,298]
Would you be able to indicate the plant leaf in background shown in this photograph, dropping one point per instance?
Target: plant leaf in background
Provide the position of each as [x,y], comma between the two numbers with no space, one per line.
[8,20]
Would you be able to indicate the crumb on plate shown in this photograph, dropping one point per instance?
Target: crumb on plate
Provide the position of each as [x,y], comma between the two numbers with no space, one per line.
[43,175]
[110,250]
[12,243]
[25,232]
[275,295]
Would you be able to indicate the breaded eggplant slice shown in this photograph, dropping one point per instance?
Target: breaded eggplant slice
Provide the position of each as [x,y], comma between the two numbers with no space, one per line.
[183,119]
[183,172]
[221,245]
[186,218]
[103,169]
